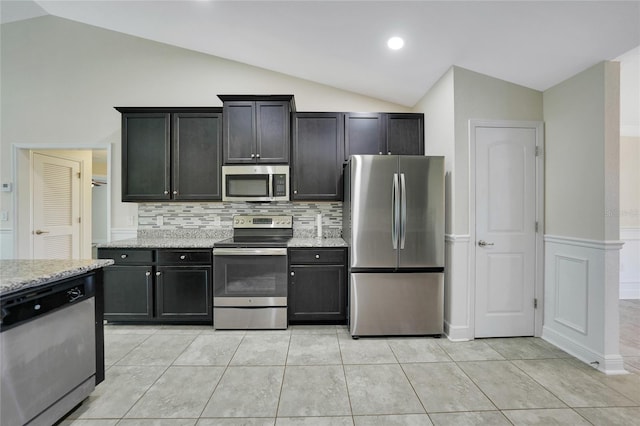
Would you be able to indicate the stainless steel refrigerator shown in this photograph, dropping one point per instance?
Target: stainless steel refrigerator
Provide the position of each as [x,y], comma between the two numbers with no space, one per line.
[393,221]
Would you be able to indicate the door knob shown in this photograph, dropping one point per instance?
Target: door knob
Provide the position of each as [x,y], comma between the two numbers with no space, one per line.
[40,232]
[483,243]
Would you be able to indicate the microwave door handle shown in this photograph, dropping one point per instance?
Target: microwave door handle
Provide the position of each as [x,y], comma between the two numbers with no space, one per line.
[271,191]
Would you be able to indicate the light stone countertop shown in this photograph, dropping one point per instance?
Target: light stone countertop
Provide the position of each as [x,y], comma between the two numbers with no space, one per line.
[20,274]
[317,242]
[169,242]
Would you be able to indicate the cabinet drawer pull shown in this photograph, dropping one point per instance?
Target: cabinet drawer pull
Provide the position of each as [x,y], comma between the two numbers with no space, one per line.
[317,256]
[147,273]
[123,256]
[257,155]
[166,192]
[175,192]
[253,155]
[293,273]
[157,274]
[183,257]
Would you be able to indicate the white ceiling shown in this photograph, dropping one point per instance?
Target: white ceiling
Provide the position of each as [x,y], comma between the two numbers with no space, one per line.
[343,43]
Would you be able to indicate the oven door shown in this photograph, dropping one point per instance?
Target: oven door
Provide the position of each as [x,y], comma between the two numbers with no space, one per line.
[250,277]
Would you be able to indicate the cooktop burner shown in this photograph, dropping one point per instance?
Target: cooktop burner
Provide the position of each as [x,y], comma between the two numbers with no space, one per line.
[254,242]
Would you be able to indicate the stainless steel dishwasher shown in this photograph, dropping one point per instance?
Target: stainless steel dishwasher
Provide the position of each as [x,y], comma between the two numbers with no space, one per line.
[47,352]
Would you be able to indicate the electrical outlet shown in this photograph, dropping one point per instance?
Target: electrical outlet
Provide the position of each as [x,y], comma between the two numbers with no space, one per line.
[4,215]
[159,220]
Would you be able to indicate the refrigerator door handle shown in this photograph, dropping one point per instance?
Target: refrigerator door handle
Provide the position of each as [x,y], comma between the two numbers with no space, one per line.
[395,211]
[403,210]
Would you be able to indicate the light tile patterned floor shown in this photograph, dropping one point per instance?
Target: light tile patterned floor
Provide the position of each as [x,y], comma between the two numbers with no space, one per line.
[186,375]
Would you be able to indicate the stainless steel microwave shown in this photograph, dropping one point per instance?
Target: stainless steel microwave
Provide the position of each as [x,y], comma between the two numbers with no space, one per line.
[258,182]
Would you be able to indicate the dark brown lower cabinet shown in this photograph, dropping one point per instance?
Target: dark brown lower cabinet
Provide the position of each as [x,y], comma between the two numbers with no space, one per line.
[158,285]
[183,293]
[317,286]
[128,293]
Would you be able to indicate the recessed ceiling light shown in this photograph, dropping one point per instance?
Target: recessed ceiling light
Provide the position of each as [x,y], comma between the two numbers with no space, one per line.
[395,43]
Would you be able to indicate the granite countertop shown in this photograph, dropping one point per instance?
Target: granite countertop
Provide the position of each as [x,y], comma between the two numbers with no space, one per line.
[168,242]
[317,242]
[19,274]
[176,242]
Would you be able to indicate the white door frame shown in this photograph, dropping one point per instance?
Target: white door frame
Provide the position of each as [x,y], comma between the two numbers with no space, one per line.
[539,267]
[17,147]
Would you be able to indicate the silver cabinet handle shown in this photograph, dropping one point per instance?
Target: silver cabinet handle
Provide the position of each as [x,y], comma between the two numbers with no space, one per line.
[295,191]
[380,152]
[157,274]
[183,257]
[388,152]
[147,273]
[175,192]
[257,155]
[166,192]
[253,156]
[483,243]
[317,256]
[123,256]
[293,273]
[40,232]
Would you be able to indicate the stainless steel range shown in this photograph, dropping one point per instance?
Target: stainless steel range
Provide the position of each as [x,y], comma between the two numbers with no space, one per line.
[250,274]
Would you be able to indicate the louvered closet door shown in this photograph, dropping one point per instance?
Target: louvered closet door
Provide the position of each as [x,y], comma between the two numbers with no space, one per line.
[56,208]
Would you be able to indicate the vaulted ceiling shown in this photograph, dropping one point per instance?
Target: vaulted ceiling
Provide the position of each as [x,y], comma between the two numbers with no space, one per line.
[536,44]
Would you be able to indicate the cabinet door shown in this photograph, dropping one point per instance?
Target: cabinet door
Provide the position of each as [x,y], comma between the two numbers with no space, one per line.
[184,293]
[239,133]
[197,156]
[318,152]
[272,132]
[145,156]
[317,293]
[128,293]
[363,134]
[405,134]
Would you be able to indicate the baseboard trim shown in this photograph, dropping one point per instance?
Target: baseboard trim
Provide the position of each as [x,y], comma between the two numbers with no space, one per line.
[610,364]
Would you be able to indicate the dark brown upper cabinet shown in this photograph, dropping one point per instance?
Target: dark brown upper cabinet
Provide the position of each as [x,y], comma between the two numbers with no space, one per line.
[404,134]
[317,156]
[384,134]
[256,128]
[171,154]
[363,133]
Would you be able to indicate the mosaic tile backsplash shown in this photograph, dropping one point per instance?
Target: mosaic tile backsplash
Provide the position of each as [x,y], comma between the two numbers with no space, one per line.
[215,218]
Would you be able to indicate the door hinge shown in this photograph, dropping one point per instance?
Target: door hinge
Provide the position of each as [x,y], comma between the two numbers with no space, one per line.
[536,226]
[535,303]
[538,151]
[79,175]
[79,220]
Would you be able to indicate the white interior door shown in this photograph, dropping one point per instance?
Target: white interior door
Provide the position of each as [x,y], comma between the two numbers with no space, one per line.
[505,249]
[55,208]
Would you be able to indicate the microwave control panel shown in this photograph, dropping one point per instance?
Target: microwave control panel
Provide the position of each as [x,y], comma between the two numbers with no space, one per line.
[279,185]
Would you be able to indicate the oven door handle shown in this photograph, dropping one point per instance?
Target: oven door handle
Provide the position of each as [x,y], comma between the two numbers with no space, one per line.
[249,251]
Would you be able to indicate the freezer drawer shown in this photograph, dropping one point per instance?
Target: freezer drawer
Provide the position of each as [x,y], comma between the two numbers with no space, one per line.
[391,304]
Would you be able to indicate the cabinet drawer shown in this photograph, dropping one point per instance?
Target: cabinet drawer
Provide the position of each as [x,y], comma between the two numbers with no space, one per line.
[316,256]
[127,256]
[184,257]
